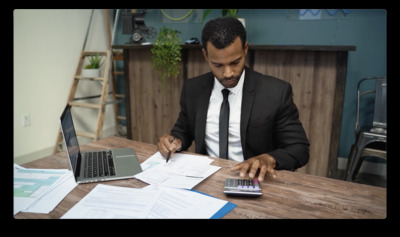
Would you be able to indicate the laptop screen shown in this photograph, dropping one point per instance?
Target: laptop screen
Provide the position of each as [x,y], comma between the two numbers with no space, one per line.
[71,141]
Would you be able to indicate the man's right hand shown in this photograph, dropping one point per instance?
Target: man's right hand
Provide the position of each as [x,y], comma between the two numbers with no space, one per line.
[165,145]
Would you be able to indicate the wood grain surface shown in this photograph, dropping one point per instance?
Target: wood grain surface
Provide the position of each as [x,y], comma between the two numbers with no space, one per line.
[292,195]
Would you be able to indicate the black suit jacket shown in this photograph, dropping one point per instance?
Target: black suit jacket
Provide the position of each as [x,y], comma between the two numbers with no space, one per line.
[269,119]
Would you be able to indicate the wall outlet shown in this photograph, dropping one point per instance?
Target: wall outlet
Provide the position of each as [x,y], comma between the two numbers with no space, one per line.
[26,119]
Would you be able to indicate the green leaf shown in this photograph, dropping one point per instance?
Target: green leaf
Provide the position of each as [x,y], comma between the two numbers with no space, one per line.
[233,12]
[205,14]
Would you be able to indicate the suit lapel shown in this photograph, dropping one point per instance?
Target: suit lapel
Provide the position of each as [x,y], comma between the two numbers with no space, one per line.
[201,115]
[247,105]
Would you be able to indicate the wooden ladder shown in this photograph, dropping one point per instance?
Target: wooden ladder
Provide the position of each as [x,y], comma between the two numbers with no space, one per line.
[100,106]
[117,55]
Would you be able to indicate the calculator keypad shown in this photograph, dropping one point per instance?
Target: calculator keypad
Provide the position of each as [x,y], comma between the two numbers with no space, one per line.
[242,187]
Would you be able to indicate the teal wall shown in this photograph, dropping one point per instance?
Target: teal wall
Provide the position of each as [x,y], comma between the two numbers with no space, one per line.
[363,28]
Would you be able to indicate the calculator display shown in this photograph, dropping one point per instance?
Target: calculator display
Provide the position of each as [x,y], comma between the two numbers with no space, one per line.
[242,187]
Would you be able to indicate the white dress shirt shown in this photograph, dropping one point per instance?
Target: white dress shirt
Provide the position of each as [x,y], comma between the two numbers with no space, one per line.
[212,126]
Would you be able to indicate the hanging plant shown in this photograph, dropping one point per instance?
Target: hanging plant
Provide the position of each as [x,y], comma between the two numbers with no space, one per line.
[166,54]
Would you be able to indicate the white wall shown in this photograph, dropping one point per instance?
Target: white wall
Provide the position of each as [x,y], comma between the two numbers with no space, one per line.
[47,45]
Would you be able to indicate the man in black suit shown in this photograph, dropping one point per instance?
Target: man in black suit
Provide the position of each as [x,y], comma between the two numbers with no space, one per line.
[265,132]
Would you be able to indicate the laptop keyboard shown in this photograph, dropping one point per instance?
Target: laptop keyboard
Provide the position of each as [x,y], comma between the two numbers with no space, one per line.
[98,164]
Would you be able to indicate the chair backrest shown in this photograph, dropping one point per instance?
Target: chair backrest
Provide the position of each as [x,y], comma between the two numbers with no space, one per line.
[380,114]
[380,103]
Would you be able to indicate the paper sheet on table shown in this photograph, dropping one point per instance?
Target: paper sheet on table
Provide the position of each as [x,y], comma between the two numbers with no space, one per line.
[177,161]
[181,171]
[46,203]
[40,190]
[181,203]
[106,201]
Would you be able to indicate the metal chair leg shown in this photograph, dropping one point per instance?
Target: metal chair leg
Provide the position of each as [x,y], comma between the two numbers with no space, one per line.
[349,174]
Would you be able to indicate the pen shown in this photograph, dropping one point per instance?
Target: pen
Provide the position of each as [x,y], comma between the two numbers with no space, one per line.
[169,152]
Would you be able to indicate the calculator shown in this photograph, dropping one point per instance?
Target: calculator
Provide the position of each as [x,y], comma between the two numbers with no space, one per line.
[242,187]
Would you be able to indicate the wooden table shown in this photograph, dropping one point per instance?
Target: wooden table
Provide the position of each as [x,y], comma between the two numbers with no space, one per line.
[290,195]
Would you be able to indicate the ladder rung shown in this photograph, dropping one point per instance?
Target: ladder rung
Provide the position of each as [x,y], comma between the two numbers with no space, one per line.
[90,78]
[120,95]
[118,57]
[118,72]
[121,117]
[113,102]
[86,134]
[85,105]
[93,53]
[118,54]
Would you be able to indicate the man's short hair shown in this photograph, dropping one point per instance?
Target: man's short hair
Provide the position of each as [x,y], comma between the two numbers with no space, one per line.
[222,31]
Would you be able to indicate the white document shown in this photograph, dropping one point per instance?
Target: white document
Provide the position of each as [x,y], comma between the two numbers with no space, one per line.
[181,203]
[176,162]
[40,190]
[46,203]
[106,201]
[181,171]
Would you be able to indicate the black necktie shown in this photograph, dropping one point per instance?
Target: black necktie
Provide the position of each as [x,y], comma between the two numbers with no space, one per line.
[224,125]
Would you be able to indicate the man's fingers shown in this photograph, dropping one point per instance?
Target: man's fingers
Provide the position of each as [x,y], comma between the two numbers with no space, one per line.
[255,164]
[167,140]
[164,144]
[254,168]
[262,173]
[172,148]
[236,167]
[163,149]
[272,172]
[175,145]
[244,169]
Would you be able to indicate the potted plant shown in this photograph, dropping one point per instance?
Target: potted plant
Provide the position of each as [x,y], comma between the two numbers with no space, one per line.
[225,12]
[230,12]
[92,69]
[166,53]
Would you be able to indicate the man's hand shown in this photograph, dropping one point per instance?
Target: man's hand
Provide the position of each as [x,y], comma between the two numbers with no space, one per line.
[165,145]
[264,162]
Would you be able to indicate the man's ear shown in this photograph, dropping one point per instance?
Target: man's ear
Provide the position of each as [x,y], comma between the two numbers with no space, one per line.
[246,47]
[205,54]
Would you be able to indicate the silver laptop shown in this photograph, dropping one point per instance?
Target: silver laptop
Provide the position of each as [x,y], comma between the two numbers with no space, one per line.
[95,166]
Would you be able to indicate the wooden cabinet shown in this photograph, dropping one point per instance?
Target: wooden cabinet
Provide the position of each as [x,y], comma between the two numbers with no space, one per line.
[317,75]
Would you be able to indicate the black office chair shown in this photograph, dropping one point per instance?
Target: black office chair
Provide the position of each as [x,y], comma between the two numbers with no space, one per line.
[370,141]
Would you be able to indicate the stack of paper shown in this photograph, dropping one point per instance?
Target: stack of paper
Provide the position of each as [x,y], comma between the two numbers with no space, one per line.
[106,201]
[181,171]
[40,190]
[167,196]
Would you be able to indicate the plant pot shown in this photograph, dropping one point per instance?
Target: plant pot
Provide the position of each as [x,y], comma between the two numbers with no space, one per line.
[91,73]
